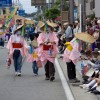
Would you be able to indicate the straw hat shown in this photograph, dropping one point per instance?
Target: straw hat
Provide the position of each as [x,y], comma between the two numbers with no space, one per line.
[65,23]
[40,24]
[98,21]
[95,52]
[18,28]
[76,22]
[1,25]
[51,24]
[85,37]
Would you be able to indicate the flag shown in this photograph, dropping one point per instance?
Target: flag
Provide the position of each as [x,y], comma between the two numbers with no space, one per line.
[10,17]
[23,31]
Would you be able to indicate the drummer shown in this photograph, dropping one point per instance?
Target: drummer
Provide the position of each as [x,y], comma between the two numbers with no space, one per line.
[48,49]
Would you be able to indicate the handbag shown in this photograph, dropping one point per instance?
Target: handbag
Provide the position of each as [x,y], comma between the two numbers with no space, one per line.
[9,62]
[85,70]
[39,64]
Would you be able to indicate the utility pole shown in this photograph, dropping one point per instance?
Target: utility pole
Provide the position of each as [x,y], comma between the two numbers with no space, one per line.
[71,2]
[83,15]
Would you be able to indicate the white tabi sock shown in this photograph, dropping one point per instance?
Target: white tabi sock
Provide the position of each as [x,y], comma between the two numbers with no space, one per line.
[95,85]
[91,83]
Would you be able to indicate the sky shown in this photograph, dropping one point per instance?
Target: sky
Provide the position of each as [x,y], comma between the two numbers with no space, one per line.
[27,6]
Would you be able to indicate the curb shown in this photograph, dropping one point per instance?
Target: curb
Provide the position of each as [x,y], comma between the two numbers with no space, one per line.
[68,92]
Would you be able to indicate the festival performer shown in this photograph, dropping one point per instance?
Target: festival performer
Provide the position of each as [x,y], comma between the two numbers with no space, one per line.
[2,36]
[33,55]
[72,54]
[17,49]
[48,49]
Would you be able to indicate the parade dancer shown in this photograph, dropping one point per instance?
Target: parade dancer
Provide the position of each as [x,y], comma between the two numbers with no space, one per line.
[48,49]
[17,48]
[33,55]
[71,55]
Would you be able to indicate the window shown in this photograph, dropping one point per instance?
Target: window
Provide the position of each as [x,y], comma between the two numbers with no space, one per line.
[92,4]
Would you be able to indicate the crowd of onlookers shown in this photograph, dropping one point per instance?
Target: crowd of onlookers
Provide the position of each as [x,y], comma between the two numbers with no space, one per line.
[91,60]
[67,31]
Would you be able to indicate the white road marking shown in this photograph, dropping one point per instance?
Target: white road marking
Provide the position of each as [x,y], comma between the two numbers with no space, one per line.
[65,85]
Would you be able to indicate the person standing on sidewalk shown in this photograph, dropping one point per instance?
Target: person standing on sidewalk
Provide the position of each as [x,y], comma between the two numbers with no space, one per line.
[17,48]
[69,32]
[71,54]
[48,49]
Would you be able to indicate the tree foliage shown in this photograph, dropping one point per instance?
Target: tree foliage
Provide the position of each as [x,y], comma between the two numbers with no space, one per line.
[52,13]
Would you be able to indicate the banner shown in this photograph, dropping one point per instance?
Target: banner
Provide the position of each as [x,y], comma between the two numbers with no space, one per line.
[5,3]
[21,12]
[38,2]
[10,17]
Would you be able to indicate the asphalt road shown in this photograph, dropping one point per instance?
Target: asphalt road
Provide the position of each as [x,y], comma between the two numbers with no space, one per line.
[28,86]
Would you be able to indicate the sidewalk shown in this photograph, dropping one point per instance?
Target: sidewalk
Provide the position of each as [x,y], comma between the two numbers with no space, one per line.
[79,94]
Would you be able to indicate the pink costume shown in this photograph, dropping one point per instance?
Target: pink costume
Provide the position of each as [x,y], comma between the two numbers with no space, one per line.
[44,56]
[73,55]
[32,58]
[17,39]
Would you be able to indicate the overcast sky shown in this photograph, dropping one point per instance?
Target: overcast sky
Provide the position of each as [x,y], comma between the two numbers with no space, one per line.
[27,6]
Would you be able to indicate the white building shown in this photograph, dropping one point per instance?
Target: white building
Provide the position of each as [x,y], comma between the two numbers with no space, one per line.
[92,7]
[97,8]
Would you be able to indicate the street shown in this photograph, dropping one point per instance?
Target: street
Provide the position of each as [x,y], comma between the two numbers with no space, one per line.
[27,87]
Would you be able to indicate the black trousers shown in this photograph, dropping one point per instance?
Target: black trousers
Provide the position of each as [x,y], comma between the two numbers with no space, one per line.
[71,70]
[31,37]
[49,69]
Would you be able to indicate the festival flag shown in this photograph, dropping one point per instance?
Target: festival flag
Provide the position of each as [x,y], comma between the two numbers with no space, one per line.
[23,31]
[10,17]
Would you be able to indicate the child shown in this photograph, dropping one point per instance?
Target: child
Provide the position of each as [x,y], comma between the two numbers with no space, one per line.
[33,55]
[95,78]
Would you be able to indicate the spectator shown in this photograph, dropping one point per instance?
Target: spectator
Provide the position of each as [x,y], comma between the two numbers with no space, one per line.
[77,27]
[31,32]
[69,32]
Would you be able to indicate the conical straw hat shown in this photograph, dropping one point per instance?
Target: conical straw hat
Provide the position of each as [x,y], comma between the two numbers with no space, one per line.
[40,24]
[85,37]
[1,25]
[19,27]
[51,24]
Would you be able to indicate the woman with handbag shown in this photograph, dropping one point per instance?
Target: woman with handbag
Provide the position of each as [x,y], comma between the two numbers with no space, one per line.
[17,49]
[48,48]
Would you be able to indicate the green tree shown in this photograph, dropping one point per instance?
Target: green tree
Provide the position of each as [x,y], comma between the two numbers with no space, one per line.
[64,4]
[52,13]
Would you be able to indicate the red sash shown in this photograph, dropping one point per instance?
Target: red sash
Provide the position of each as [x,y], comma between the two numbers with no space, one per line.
[47,47]
[17,45]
